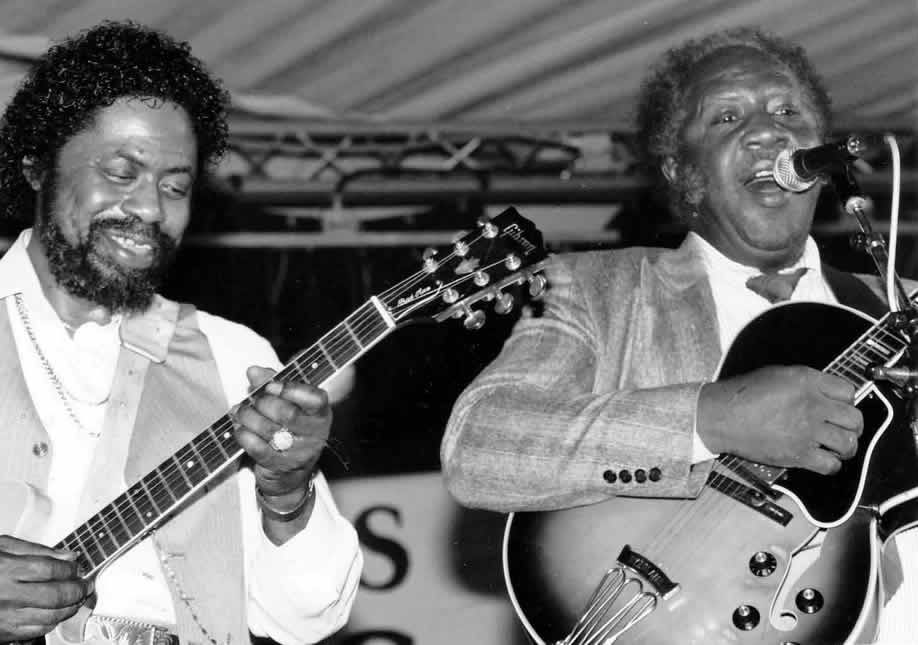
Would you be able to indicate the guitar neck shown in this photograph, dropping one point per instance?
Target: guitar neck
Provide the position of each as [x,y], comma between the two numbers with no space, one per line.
[879,345]
[145,505]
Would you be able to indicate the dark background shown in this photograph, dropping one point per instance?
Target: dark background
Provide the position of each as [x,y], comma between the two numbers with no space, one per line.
[405,386]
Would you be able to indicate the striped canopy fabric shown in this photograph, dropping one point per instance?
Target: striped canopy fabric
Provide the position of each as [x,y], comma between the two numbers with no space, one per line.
[516,61]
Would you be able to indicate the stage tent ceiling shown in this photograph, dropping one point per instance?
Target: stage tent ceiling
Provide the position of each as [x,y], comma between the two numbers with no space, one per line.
[459,79]
[485,60]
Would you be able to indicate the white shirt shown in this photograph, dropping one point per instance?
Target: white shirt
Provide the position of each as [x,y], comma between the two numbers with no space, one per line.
[736,305]
[298,592]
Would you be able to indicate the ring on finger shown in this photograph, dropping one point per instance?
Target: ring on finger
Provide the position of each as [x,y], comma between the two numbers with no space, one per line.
[282,439]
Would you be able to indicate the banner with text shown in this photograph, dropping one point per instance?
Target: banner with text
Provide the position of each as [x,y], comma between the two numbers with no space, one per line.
[432,572]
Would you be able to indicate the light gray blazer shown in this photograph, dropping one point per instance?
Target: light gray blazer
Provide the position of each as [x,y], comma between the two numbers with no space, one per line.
[603,385]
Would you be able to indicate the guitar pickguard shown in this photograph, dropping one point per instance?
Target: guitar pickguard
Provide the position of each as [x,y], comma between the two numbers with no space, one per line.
[816,334]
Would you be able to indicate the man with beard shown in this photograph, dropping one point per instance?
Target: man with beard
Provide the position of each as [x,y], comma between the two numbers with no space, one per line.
[610,391]
[104,380]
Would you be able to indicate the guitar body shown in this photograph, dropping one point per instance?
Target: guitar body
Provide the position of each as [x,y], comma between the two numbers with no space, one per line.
[555,560]
[718,569]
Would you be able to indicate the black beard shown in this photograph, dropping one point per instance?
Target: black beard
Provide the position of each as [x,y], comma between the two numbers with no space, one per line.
[95,277]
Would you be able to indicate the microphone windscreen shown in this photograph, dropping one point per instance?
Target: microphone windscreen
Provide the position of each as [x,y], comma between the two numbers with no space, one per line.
[786,176]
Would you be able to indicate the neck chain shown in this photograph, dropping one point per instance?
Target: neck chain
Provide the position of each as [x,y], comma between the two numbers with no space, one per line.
[164,557]
[64,395]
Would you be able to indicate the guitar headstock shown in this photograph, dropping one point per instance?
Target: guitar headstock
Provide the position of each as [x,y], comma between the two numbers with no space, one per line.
[481,266]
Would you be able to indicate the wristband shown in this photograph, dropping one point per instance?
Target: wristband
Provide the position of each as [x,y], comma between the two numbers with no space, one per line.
[289,515]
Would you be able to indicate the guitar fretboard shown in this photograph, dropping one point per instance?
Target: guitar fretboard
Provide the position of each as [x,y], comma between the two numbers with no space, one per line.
[145,505]
[877,346]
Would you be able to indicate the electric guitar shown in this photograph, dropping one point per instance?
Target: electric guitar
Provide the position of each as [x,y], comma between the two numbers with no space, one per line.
[763,555]
[484,265]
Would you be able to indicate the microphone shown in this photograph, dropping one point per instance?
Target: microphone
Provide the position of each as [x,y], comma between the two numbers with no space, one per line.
[797,170]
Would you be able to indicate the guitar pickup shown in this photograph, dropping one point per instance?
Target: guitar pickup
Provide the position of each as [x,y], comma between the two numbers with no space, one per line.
[751,497]
[761,484]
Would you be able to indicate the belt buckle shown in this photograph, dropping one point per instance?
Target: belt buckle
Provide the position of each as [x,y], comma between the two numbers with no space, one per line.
[126,631]
[162,636]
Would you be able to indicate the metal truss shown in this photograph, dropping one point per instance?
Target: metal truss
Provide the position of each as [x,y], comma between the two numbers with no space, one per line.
[366,164]
[364,183]
[348,163]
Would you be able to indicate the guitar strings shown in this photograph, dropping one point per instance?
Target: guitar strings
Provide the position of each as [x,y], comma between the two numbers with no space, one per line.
[171,474]
[168,471]
[419,276]
[168,477]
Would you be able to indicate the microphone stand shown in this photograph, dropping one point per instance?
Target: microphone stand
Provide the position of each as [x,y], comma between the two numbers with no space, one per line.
[904,377]
[905,320]
[855,203]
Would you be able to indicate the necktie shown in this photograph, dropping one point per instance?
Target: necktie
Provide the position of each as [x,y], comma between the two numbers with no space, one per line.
[775,287]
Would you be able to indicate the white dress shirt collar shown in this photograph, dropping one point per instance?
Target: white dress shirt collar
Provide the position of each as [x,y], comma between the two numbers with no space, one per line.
[718,264]
[735,303]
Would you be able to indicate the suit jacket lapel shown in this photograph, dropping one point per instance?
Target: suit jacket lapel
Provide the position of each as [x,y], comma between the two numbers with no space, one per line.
[686,329]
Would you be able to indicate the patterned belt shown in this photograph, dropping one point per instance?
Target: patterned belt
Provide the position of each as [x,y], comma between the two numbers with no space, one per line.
[124,631]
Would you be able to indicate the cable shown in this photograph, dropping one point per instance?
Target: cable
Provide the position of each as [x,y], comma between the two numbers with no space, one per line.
[891,294]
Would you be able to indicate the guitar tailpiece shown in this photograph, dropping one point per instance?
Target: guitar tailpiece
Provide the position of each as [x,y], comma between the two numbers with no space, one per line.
[610,611]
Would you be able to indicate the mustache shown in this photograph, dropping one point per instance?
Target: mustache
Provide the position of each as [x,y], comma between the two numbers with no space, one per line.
[135,226]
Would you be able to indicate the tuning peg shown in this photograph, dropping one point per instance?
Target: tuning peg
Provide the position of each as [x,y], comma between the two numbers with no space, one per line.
[537,285]
[513,262]
[430,264]
[488,228]
[475,320]
[450,296]
[481,278]
[504,304]
[461,248]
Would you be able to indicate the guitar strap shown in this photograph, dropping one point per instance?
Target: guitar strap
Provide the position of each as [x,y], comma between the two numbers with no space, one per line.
[120,415]
[854,292]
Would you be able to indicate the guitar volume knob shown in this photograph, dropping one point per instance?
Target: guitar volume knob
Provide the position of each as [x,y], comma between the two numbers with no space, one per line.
[746,617]
[809,601]
[763,564]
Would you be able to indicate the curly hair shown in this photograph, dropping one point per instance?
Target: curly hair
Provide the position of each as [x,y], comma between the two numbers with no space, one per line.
[661,110]
[74,79]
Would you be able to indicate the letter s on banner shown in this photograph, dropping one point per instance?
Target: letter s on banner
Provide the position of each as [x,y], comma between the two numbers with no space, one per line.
[389,549]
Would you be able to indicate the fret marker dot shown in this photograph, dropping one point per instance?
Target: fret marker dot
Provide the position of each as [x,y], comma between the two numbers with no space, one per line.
[149,514]
[226,435]
[189,464]
[315,366]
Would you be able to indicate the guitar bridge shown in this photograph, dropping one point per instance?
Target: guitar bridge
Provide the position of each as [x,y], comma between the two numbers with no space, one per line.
[625,595]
